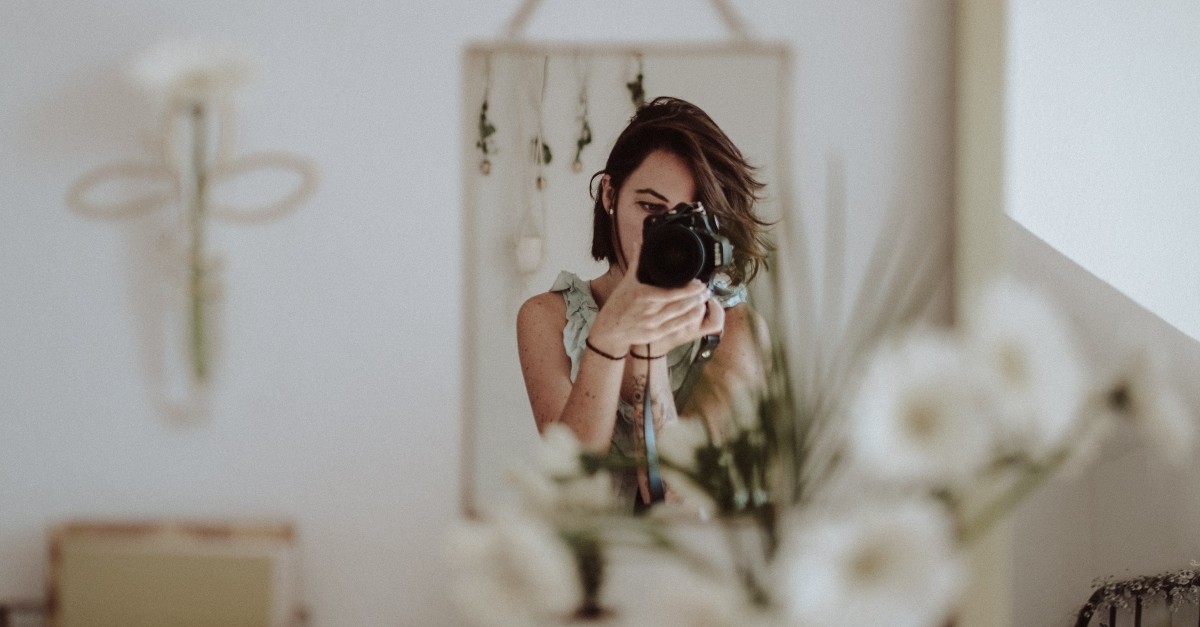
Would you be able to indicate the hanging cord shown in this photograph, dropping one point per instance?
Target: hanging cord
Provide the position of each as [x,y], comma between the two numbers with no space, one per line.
[541,151]
[733,21]
[585,128]
[653,474]
[531,226]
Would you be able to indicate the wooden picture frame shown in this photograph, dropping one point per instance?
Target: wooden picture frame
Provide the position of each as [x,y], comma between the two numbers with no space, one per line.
[153,573]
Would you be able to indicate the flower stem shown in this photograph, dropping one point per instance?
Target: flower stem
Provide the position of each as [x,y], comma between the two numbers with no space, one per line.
[747,570]
[1033,476]
[196,220]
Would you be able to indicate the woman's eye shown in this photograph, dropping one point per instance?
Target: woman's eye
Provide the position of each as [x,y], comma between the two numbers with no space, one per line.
[651,207]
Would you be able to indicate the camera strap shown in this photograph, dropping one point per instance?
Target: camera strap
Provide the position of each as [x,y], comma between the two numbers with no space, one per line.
[704,352]
[653,473]
[708,345]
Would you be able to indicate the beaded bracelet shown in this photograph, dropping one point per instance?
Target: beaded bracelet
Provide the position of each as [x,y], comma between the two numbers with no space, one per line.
[601,353]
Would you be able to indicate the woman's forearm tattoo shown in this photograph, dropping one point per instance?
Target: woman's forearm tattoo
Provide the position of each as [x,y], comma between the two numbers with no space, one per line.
[660,410]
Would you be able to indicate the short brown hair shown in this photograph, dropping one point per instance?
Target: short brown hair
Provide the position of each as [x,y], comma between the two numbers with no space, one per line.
[725,181]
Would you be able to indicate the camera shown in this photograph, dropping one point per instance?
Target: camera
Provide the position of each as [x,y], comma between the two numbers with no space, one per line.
[680,245]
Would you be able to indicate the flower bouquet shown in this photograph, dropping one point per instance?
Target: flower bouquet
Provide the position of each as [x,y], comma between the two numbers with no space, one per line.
[852,507]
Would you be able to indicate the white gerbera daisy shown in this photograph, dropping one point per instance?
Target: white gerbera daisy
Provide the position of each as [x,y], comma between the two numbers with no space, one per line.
[1142,397]
[559,453]
[880,565]
[513,571]
[684,598]
[557,482]
[678,441]
[916,417]
[1024,345]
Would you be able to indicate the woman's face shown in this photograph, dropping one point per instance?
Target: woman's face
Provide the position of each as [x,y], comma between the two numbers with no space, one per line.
[662,181]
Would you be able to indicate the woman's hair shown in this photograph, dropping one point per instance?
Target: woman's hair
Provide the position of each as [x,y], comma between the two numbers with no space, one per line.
[724,180]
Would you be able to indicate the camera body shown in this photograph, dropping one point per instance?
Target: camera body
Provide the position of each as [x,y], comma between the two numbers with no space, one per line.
[680,245]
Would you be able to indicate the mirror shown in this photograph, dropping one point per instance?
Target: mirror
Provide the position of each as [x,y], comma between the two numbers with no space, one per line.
[520,233]
[877,264]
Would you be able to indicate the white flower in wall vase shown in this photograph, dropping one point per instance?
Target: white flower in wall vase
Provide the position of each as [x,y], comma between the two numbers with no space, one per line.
[190,178]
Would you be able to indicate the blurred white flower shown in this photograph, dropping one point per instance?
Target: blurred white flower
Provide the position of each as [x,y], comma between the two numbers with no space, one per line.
[1086,444]
[744,405]
[513,571]
[916,417]
[684,500]
[558,455]
[557,482]
[878,565]
[684,598]
[679,439]
[589,493]
[678,442]
[582,493]
[1037,381]
[192,70]
[1142,397]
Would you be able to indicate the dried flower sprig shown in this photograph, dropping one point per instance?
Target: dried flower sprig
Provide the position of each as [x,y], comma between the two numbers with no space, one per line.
[1176,588]
[485,143]
[636,87]
[585,130]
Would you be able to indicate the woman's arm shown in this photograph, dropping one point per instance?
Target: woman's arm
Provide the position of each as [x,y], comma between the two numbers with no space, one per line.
[736,374]
[633,314]
[589,406]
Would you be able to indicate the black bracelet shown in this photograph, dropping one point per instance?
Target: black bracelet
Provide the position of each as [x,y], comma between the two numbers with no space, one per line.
[601,353]
[647,357]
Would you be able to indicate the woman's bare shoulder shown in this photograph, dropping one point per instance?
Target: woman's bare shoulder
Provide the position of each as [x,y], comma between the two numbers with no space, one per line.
[746,323]
[544,308]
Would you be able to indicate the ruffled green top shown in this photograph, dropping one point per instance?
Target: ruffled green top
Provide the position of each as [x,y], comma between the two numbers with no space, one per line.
[581,313]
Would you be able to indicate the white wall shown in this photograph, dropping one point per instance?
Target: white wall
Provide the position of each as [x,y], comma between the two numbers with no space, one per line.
[1130,514]
[336,400]
[1104,152]
[1101,158]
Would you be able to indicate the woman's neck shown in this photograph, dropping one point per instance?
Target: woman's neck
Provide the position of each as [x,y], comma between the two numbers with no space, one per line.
[604,284]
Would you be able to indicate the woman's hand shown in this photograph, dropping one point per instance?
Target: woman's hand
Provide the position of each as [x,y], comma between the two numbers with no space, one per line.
[636,314]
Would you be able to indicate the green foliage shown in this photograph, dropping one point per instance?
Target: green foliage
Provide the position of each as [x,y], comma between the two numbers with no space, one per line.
[541,151]
[637,91]
[486,130]
[588,551]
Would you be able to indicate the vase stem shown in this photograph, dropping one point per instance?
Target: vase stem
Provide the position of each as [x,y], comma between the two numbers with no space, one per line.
[196,221]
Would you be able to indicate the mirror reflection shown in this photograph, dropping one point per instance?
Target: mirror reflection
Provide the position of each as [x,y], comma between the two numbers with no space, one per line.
[560,179]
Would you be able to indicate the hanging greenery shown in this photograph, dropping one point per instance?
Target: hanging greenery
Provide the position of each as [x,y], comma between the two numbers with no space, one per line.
[637,91]
[542,157]
[585,132]
[485,144]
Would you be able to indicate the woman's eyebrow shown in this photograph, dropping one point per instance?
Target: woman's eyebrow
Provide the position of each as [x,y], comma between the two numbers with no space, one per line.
[647,190]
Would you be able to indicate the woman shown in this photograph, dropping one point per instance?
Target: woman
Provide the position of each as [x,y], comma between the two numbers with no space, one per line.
[590,349]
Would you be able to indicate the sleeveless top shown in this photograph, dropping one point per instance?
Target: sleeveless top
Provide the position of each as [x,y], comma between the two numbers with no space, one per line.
[581,313]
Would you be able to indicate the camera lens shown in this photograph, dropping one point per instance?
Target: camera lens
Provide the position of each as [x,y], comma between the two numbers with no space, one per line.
[671,256]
